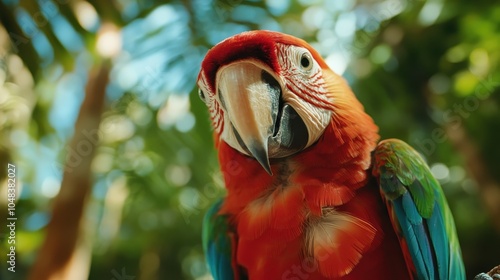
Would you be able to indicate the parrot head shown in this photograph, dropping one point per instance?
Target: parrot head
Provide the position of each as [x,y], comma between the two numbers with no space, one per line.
[270,95]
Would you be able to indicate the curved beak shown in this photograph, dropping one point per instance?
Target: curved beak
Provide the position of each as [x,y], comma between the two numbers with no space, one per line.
[264,125]
[252,105]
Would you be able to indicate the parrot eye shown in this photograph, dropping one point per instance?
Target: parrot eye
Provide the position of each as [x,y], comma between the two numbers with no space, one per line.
[306,61]
[201,94]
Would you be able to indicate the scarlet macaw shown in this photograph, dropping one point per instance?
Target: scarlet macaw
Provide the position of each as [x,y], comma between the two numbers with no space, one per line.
[310,192]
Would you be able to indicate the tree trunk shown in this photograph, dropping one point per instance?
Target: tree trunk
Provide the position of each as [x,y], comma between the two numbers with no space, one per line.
[65,252]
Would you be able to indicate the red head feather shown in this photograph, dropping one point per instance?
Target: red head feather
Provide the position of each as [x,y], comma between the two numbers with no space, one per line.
[258,44]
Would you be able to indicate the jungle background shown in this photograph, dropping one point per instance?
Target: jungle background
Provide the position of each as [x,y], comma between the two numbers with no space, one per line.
[130,205]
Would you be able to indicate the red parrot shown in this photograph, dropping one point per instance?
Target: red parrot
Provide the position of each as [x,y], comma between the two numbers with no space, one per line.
[311,194]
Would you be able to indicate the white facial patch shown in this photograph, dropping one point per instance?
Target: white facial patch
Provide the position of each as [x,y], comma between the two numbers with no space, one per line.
[305,90]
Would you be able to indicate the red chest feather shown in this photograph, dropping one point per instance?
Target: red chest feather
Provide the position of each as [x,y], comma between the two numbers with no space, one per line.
[320,220]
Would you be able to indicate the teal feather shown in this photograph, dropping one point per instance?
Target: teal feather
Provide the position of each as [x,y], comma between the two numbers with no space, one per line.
[438,237]
[419,210]
[217,243]
[419,243]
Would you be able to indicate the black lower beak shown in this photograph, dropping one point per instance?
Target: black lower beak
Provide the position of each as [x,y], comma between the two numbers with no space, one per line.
[292,134]
[289,132]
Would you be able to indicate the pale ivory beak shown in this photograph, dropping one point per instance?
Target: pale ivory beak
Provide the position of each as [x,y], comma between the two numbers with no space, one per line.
[252,105]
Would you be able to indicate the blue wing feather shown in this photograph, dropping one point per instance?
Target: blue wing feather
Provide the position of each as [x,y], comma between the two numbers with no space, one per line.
[438,237]
[413,230]
[217,244]
[419,210]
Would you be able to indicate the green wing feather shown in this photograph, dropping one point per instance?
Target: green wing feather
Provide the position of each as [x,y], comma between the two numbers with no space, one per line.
[418,211]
